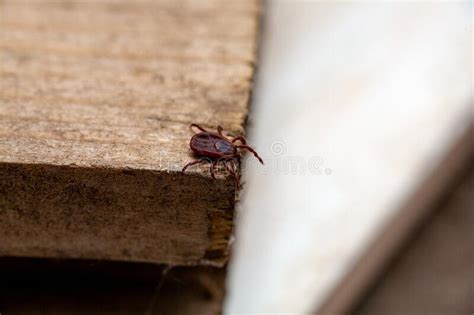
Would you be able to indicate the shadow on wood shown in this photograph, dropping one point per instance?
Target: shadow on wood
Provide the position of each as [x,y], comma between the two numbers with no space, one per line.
[32,286]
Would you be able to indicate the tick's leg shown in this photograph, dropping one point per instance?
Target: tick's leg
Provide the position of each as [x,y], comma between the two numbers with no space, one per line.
[244,146]
[190,164]
[235,170]
[212,165]
[220,130]
[234,175]
[237,175]
[241,139]
[198,127]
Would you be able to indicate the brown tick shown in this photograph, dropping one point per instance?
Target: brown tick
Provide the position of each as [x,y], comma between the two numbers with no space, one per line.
[216,148]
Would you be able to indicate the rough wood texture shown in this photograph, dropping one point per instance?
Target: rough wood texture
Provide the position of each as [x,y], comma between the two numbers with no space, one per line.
[95,102]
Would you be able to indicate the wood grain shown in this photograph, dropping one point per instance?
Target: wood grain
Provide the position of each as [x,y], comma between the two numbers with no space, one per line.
[95,102]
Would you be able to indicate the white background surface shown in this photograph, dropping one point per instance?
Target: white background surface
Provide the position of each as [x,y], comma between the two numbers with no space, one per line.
[366,94]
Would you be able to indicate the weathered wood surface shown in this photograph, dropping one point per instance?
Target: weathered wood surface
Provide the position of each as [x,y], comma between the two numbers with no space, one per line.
[95,102]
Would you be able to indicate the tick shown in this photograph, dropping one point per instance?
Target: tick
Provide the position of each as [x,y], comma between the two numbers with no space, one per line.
[216,148]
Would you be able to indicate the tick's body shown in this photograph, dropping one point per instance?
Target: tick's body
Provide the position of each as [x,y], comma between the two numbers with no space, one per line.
[216,148]
[206,144]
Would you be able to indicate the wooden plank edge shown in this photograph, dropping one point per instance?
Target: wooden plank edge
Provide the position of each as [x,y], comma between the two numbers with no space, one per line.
[77,192]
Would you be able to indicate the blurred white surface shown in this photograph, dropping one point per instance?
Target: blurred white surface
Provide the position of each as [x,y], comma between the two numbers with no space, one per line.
[362,98]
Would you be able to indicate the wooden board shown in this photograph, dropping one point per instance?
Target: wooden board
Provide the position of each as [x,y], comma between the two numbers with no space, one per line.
[95,102]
